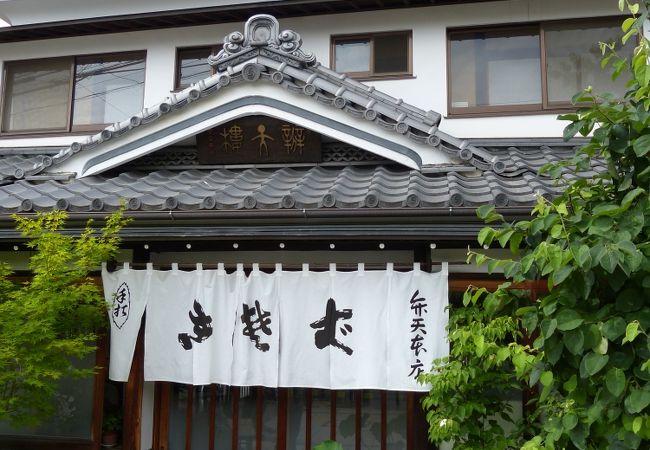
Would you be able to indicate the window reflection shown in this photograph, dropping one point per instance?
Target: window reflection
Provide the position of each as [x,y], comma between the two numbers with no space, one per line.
[108,89]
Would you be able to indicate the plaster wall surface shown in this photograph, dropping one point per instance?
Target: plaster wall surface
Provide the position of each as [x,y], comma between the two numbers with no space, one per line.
[427,89]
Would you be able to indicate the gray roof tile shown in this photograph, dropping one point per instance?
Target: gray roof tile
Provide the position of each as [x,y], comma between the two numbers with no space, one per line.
[316,187]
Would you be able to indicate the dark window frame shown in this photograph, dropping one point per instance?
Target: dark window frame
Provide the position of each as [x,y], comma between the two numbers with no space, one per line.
[544,107]
[371,74]
[177,62]
[73,60]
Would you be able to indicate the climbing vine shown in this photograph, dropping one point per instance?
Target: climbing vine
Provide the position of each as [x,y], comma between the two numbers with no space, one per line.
[589,351]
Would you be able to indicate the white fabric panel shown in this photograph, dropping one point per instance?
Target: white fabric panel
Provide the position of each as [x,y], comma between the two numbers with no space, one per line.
[256,345]
[172,300]
[126,292]
[304,298]
[406,357]
[330,330]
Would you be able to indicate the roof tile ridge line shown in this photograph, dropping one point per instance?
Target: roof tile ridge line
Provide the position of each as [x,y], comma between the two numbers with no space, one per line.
[429,118]
[467,152]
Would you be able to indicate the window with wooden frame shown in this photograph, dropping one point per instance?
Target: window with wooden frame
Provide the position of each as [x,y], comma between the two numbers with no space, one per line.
[77,423]
[528,68]
[192,65]
[373,55]
[72,93]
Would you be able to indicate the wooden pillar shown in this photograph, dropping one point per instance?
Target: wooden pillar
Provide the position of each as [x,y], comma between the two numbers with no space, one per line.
[162,400]
[101,360]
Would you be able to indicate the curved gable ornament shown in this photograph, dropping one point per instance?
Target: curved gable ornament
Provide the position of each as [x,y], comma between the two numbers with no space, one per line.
[262,37]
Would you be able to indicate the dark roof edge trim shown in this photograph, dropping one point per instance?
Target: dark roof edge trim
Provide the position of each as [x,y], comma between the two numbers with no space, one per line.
[306,214]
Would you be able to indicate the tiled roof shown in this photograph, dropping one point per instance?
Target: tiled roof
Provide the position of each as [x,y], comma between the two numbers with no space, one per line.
[287,188]
[278,59]
[530,158]
[20,166]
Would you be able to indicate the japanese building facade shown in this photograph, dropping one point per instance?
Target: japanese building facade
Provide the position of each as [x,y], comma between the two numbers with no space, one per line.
[319,136]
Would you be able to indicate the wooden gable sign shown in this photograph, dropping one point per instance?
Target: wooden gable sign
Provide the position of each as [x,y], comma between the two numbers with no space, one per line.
[258,140]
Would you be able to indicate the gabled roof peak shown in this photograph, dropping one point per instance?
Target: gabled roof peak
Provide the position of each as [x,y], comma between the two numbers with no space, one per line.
[262,36]
[264,53]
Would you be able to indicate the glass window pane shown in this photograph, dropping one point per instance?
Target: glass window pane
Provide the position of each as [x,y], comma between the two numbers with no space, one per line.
[247,418]
[74,409]
[177,413]
[320,416]
[573,60]
[270,420]
[345,418]
[296,419]
[223,419]
[395,420]
[193,66]
[495,68]
[37,95]
[352,56]
[371,420]
[391,53]
[108,89]
[200,417]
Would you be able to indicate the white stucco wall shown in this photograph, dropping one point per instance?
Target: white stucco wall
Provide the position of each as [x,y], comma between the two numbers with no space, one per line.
[427,90]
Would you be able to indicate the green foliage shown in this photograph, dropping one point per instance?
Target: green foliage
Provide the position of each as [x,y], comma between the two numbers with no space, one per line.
[468,398]
[112,422]
[329,445]
[590,359]
[50,320]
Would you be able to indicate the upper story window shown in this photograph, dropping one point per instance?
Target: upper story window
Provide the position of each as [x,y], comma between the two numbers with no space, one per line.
[528,68]
[73,93]
[375,55]
[192,65]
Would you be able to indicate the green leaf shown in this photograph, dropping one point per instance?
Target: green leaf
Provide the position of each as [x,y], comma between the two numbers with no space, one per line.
[614,328]
[574,341]
[630,196]
[615,381]
[573,128]
[608,259]
[631,331]
[485,236]
[571,384]
[504,237]
[607,209]
[546,378]
[568,319]
[592,363]
[584,257]
[637,400]
[548,327]
[627,24]
[569,421]
[560,275]
[641,145]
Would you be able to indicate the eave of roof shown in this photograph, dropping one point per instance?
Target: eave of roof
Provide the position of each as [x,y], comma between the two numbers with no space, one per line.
[203,16]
